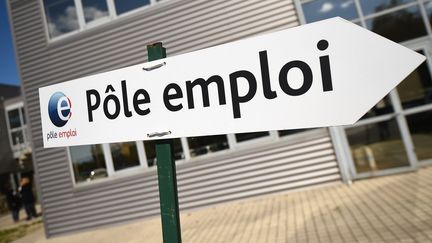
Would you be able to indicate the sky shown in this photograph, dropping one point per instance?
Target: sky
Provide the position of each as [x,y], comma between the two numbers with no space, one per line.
[8,67]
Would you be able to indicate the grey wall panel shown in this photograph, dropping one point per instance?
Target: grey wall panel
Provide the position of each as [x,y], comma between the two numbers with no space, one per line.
[183,26]
[253,177]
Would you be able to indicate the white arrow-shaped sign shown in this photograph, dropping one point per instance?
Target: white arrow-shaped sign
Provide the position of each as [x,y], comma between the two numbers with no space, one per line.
[322,74]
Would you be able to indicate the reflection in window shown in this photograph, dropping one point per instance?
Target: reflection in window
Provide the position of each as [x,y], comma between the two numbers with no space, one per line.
[416,89]
[207,144]
[14,119]
[323,9]
[375,6]
[61,16]
[377,146]
[399,26]
[88,162]
[241,137]
[94,9]
[17,137]
[123,6]
[124,155]
[150,149]
[421,132]
[383,107]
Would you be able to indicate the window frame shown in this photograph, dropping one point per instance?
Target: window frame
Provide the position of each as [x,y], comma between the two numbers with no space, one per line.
[273,137]
[109,165]
[23,126]
[339,136]
[83,26]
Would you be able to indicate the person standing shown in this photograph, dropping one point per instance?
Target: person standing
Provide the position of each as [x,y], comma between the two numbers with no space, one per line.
[28,198]
[13,201]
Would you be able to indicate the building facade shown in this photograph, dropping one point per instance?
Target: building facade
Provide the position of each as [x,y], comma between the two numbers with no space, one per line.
[89,186]
[7,163]
[18,133]
[15,150]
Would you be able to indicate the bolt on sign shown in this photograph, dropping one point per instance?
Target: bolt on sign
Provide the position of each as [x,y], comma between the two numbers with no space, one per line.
[326,73]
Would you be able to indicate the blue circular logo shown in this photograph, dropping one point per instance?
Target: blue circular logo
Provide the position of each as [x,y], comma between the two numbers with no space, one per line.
[59,109]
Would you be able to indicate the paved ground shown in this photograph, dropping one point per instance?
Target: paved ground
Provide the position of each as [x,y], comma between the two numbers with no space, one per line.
[6,221]
[395,208]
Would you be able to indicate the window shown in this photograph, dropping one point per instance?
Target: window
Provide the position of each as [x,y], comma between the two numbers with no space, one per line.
[150,150]
[383,107]
[399,26]
[290,132]
[61,17]
[17,137]
[70,16]
[397,20]
[94,9]
[14,119]
[207,144]
[124,155]
[241,137]
[377,146]
[92,162]
[88,162]
[17,126]
[420,127]
[123,6]
[376,6]
[428,6]
[378,143]
[324,9]
[416,89]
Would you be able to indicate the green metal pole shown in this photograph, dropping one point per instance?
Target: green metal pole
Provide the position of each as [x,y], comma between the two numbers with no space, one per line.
[167,179]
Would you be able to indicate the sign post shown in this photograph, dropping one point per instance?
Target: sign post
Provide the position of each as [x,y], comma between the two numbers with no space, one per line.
[166,168]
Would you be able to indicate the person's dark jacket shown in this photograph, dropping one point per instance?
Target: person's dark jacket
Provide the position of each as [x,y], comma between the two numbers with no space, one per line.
[13,200]
[27,193]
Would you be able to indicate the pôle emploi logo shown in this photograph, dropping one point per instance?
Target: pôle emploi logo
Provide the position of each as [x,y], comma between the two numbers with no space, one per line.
[60,111]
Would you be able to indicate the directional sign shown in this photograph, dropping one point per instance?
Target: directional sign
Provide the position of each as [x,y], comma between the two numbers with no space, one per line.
[326,73]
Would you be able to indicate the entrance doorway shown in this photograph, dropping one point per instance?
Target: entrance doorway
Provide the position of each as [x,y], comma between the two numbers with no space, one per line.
[396,134]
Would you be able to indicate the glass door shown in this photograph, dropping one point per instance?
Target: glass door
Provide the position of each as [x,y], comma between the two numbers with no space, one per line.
[377,143]
[397,133]
[415,94]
